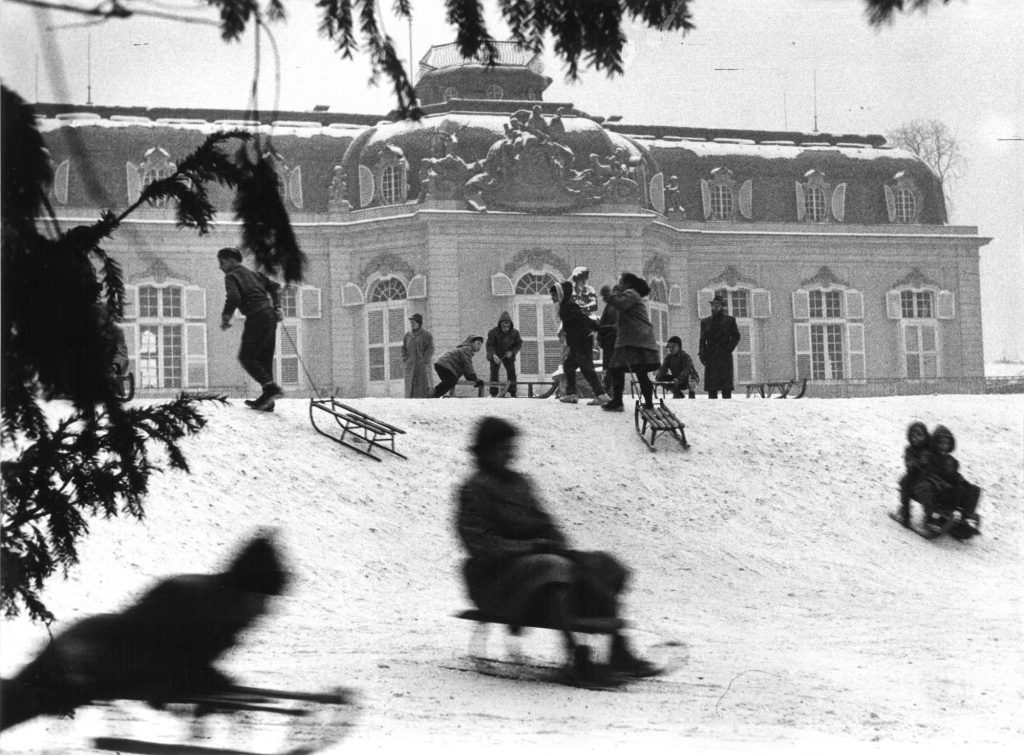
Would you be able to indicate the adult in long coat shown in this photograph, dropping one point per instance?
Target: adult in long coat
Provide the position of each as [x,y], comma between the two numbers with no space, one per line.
[718,339]
[418,356]
[636,348]
[520,568]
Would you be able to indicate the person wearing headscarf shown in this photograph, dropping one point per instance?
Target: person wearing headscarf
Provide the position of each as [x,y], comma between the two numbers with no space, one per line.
[519,568]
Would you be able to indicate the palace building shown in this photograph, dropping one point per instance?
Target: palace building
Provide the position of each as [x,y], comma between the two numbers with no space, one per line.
[832,249]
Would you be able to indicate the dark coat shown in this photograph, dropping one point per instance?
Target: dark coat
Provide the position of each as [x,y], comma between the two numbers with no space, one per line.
[575,322]
[459,361]
[678,368]
[719,336]
[501,343]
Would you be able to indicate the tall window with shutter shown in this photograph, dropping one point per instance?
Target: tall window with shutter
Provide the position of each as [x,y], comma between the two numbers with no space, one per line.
[165,327]
[658,307]
[748,304]
[829,334]
[298,305]
[536,317]
[919,311]
[385,328]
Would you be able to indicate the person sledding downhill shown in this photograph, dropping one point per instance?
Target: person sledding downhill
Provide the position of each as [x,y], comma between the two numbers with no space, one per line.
[520,570]
[933,479]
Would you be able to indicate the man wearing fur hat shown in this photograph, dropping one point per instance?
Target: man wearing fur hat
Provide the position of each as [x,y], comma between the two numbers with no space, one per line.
[503,344]
[520,568]
[417,356]
[719,336]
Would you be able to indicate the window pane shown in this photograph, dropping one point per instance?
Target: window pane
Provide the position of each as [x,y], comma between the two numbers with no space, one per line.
[924,304]
[534,284]
[833,304]
[814,200]
[289,370]
[172,356]
[148,360]
[835,350]
[289,301]
[907,304]
[396,368]
[149,302]
[721,202]
[375,357]
[740,303]
[172,301]
[388,289]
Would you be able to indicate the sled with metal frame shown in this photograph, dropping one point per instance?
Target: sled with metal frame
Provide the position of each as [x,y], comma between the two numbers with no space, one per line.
[659,419]
[354,426]
[784,387]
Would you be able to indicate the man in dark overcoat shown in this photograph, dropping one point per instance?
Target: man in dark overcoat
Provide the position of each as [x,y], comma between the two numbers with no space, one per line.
[718,339]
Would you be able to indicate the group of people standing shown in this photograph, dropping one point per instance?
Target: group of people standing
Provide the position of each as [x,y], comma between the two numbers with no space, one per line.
[623,330]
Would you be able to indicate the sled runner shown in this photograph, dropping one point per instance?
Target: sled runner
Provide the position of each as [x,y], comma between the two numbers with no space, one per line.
[658,419]
[534,388]
[784,387]
[355,426]
[932,523]
[314,721]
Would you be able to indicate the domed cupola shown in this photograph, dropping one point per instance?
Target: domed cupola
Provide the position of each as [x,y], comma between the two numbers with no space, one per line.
[445,75]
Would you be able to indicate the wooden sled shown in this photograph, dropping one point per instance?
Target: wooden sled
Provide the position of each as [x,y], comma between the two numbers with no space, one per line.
[355,426]
[658,419]
[478,641]
[784,387]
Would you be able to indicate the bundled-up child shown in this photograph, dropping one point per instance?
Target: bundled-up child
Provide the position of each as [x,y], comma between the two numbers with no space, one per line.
[960,494]
[678,369]
[457,363]
[917,457]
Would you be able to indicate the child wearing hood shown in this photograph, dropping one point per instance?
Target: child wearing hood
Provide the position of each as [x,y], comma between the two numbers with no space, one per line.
[960,494]
[456,363]
[917,458]
[579,339]
[503,344]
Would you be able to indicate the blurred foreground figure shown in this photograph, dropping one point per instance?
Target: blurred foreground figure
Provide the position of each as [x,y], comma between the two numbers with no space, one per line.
[159,650]
[520,568]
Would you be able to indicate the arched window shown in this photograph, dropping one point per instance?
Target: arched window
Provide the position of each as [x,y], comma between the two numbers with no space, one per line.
[817,208]
[392,179]
[906,205]
[721,202]
[537,319]
[494,92]
[902,198]
[385,329]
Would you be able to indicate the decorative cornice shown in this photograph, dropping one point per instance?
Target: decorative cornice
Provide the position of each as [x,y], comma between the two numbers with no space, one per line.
[732,278]
[385,264]
[916,279]
[158,271]
[536,259]
[823,279]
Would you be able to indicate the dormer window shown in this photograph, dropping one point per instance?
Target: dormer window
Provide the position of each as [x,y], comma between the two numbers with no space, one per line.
[903,199]
[816,199]
[155,167]
[392,175]
[723,198]
[721,202]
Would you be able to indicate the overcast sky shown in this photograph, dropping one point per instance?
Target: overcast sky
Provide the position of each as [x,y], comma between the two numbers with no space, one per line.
[749,64]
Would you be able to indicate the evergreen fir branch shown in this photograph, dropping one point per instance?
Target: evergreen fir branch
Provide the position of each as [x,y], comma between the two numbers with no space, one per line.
[467,16]
[336,23]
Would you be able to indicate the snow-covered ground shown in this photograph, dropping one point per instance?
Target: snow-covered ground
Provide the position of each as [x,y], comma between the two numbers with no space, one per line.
[810,621]
[1004,369]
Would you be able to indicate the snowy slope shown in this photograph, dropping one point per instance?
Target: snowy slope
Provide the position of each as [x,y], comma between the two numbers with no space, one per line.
[811,621]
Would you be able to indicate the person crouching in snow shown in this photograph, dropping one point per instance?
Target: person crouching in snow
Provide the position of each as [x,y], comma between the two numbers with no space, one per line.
[503,344]
[256,297]
[579,340]
[520,568]
[678,369]
[457,363]
[917,457]
[960,494]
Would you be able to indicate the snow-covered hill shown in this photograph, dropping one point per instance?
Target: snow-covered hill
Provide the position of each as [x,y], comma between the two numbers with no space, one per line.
[811,621]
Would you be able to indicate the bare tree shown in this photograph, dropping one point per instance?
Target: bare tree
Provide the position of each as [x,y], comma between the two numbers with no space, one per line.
[938,147]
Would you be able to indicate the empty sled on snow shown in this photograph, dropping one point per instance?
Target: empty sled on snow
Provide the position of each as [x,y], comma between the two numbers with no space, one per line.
[658,419]
[353,426]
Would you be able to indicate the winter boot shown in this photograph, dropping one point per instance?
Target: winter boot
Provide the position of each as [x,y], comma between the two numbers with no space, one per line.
[599,400]
[569,398]
[614,406]
[583,668]
[623,660]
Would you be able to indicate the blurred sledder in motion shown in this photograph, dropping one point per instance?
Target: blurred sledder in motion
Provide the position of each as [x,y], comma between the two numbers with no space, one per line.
[521,572]
[948,501]
[161,651]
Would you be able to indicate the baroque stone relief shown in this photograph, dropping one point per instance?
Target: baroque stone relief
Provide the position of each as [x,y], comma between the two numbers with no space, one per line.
[917,279]
[537,259]
[385,264]
[823,279]
[732,278]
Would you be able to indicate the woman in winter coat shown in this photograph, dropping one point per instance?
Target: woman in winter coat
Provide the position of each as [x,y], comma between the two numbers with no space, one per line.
[457,363]
[636,349]
[519,567]
[417,355]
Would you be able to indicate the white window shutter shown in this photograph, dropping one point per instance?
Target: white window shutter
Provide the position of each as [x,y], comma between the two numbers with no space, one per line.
[131,302]
[295,186]
[60,182]
[366,187]
[839,202]
[854,304]
[705,196]
[801,205]
[675,296]
[802,306]
[195,355]
[890,203]
[893,308]
[761,300]
[501,285]
[417,287]
[351,295]
[944,307]
[704,302]
[134,182]
[855,350]
[747,199]
[131,338]
[195,303]
[657,188]
[309,303]
[802,349]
